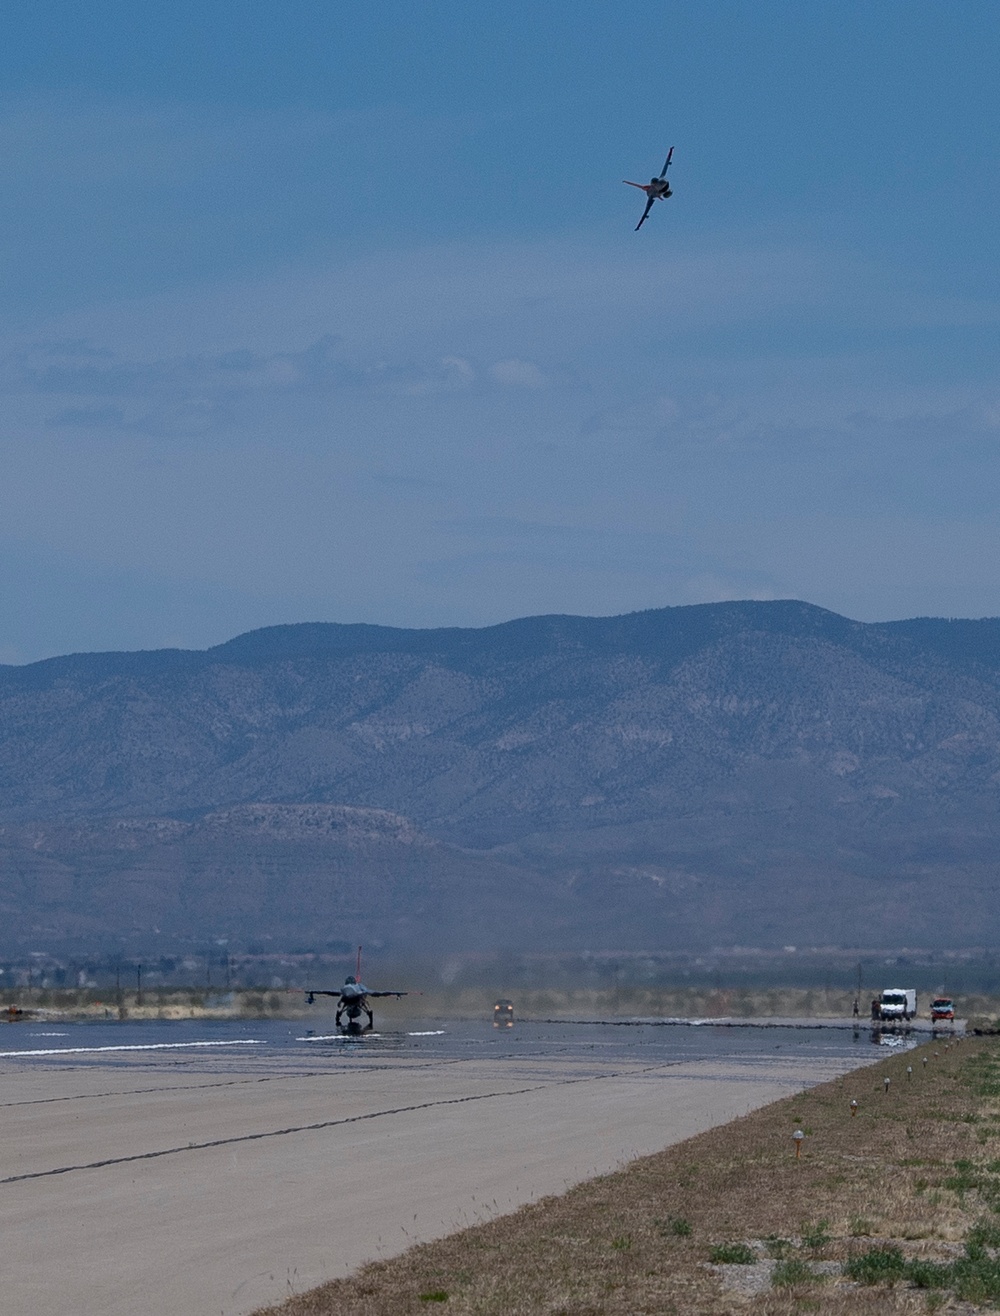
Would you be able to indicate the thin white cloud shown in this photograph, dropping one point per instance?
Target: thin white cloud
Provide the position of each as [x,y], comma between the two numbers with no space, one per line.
[518,374]
[374,434]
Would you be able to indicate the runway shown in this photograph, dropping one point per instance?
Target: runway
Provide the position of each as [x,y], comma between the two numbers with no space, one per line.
[195,1183]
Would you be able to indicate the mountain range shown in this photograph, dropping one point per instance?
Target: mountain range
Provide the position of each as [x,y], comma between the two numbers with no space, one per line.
[758,773]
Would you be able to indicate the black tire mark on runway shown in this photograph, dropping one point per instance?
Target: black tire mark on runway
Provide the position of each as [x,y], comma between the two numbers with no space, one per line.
[270,1133]
[196,1087]
[173,1087]
[374,1068]
[289,1077]
[323,1124]
[238,1082]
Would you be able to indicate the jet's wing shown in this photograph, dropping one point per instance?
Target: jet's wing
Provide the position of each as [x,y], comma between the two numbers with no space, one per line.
[396,994]
[641,186]
[649,207]
[666,163]
[310,992]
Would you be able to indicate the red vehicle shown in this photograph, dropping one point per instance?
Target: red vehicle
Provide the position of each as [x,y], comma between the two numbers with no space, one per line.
[942,1007]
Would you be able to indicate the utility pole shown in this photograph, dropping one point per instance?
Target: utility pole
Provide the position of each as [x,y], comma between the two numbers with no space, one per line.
[138,984]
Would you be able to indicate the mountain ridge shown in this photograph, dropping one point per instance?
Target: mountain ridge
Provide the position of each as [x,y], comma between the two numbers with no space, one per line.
[720,749]
[978,638]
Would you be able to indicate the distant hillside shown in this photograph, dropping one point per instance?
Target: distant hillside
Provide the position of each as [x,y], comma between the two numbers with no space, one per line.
[292,875]
[758,772]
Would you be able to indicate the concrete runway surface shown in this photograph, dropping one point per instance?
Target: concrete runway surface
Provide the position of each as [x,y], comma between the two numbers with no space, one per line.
[190,1186]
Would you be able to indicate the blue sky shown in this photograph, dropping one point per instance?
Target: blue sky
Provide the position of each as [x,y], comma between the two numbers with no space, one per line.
[331,311]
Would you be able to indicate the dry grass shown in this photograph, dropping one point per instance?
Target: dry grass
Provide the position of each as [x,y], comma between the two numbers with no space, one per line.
[472,1003]
[686,1002]
[619,1246]
[668,1002]
[656,1002]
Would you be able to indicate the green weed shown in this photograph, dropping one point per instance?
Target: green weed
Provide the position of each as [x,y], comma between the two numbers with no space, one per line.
[973,1278]
[985,1233]
[879,1265]
[793,1271]
[928,1274]
[675,1225]
[816,1235]
[732,1254]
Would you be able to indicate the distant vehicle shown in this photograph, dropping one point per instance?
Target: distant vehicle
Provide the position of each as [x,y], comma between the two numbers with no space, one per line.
[352,1001]
[942,1007]
[657,189]
[898,1003]
[503,1013]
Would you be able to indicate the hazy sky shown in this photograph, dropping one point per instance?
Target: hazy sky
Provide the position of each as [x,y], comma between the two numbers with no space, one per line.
[330,310]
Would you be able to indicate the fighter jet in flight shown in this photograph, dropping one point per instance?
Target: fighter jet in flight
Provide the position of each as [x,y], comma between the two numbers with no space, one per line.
[657,189]
[352,1001]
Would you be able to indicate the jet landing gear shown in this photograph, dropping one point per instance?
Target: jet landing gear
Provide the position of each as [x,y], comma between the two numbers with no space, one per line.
[351,1021]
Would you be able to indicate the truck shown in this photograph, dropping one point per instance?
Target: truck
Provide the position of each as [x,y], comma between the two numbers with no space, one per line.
[898,1003]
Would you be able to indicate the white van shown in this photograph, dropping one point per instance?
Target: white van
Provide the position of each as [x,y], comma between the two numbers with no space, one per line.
[898,1003]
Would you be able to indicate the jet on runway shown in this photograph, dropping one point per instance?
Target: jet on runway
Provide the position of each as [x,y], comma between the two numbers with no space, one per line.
[352,1001]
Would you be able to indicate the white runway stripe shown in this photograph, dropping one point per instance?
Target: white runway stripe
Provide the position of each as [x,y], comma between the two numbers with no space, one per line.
[148,1046]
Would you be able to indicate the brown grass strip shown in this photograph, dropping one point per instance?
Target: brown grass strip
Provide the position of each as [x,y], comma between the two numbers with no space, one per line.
[639,1240]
